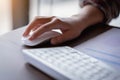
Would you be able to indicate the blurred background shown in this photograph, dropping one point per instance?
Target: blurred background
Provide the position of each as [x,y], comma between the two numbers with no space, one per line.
[18,13]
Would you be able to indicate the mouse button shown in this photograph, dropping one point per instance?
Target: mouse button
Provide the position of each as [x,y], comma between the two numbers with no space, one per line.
[26,42]
[24,38]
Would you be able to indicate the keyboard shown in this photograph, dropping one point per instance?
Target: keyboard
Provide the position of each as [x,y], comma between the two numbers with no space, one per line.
[66,63]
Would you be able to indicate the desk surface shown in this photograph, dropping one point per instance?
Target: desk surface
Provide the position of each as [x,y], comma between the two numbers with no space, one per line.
[12,63]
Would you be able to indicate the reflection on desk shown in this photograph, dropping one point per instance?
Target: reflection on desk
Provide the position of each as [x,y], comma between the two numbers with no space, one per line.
[105,47]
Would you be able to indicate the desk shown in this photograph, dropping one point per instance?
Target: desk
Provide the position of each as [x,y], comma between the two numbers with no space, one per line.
[12,63]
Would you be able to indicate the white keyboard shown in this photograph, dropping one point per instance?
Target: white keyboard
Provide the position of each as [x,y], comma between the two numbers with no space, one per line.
[65,63]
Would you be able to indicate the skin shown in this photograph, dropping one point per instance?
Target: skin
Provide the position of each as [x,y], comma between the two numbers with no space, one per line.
[71,26]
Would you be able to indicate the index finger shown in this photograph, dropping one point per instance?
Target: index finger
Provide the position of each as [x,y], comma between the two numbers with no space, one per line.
[36,23]
[54,24]
[30,27]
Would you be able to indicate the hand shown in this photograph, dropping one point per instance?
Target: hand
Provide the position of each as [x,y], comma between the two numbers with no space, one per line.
[43,24]
[71,27]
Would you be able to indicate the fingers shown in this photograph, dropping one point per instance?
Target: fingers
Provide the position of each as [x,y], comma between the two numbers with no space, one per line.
[38,31]
[62,38]
[36,27]
[36,23]
[54,24]
[41,25]
[30,27]
[66,36]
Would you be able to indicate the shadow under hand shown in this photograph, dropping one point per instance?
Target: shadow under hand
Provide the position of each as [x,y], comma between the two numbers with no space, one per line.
[87,34]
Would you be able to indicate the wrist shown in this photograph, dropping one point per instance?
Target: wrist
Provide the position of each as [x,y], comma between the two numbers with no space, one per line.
[89,15]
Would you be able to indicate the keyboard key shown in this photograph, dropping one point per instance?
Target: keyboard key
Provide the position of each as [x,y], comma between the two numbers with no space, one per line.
[71,63]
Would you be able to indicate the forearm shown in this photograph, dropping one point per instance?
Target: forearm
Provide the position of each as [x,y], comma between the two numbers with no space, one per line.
[110,8]
[89,15]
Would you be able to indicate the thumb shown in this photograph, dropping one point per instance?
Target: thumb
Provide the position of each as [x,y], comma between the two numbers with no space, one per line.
[61,38]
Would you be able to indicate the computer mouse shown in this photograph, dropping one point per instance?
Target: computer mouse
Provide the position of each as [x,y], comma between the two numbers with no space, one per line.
[42,38]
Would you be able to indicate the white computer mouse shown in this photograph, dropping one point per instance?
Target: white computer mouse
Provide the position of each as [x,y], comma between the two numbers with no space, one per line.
[42,38]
